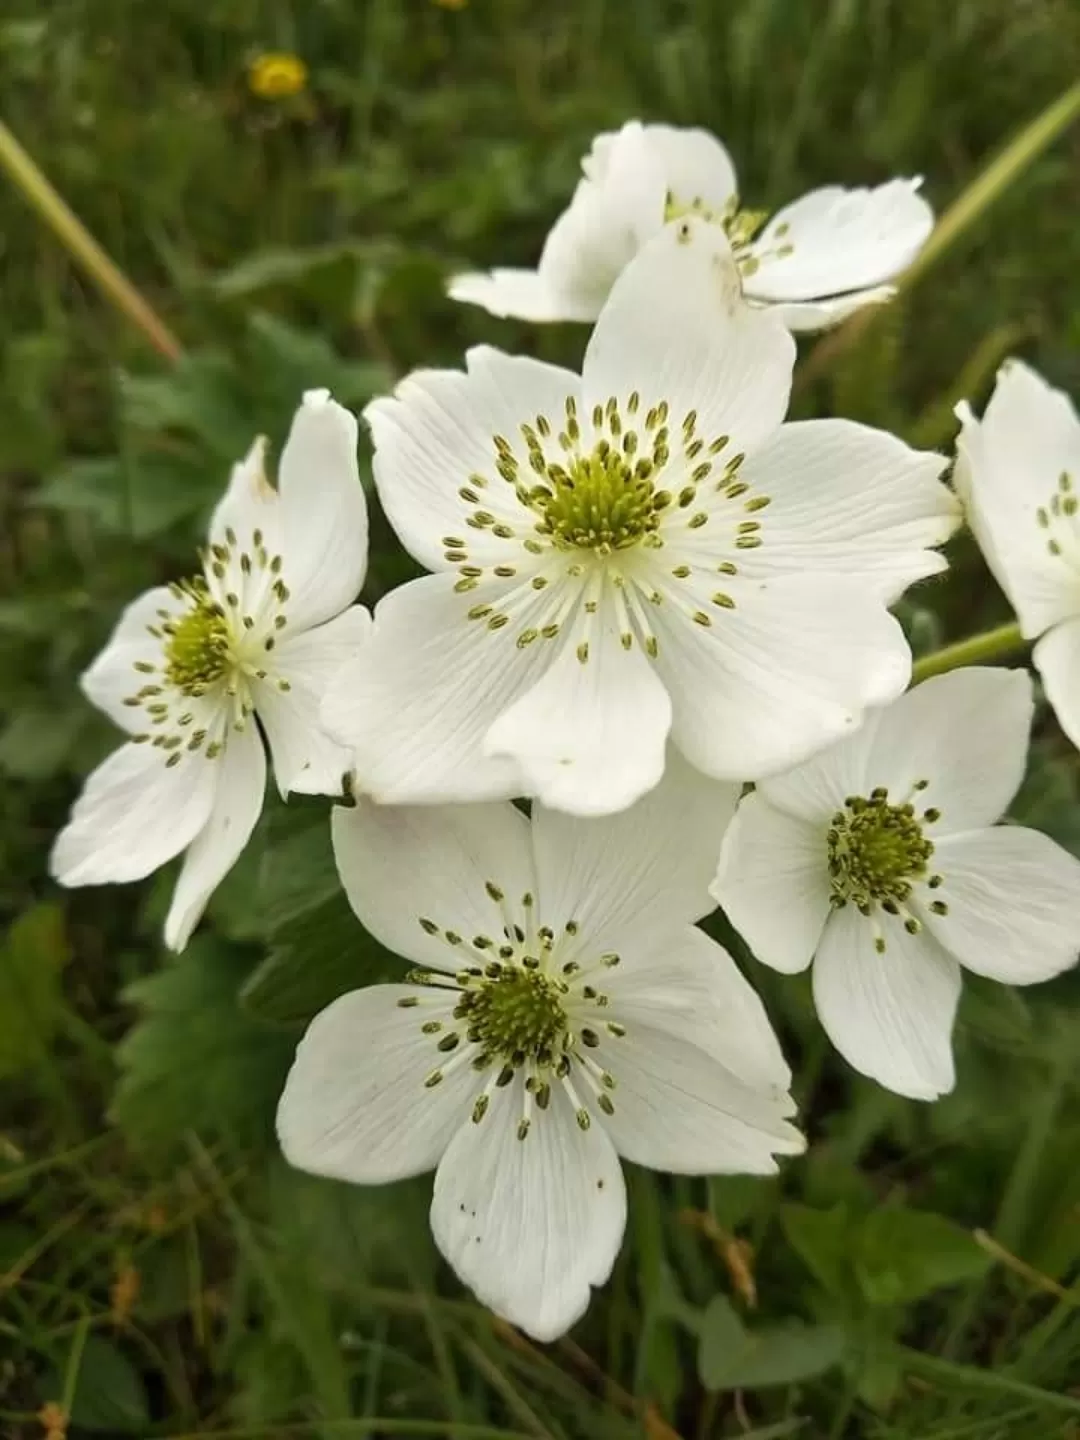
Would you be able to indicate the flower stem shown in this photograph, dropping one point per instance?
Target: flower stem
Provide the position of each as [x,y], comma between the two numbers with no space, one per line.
[975,650]
[82,246]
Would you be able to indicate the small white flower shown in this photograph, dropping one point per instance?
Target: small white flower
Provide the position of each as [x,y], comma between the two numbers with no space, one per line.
[567,1012]
[191,665]
[638,549]
[1018,474]
[814,262]
[876,859]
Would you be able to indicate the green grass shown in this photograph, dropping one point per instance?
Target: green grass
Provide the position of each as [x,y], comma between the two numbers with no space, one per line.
[162,1272]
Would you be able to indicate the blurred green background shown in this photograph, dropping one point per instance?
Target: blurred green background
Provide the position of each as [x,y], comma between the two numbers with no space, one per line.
[162,1272]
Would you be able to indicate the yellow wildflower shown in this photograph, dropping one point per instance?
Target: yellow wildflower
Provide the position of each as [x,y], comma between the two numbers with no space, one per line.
[276,74]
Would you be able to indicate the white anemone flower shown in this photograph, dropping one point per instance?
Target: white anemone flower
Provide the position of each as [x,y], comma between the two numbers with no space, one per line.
[815,262]
[879,860]
[638,549]
[1018,473]
[192,666]
[566,1012]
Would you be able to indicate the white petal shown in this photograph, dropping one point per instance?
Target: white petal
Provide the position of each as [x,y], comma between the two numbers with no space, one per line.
[323,512]
[135,812]
[802,317]
[786,672]
[773,883]
[530,1225]
[1008,469]
[250,503]
[415,707]
[241,784]
[852,501]
[816,789]
[522,294]
[355,1106]
[307,761]
[112,678]
[890,1015]
[695,165]
[966,734]
[1057,659]
[588,737]
[401,865]
[677,329]
[1013,900]
[637,873]
[840,240]
[436,436]
[704,1094]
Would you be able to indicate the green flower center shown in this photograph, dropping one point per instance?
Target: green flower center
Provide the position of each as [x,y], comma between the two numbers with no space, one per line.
[604,501]
[197,644]
[875,851]
[517,1014]
[740,226]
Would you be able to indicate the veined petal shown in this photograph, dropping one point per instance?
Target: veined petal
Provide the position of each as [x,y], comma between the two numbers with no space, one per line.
[676,330]
[637,873]
[307,760]
[414,873]
[134,813]
[848,500]
[1012,899]
[238,802]
[113,679]
[773,883]
[890,1014]
[790,669]
[437,462]
[1057,659]
[1009,470]
[589,737]
[250,503]
[962,738]
[355,1105]
[816,789]
[530,1225]
[833,240]
[695,165]
[416,706]
[802,317]
[323,511]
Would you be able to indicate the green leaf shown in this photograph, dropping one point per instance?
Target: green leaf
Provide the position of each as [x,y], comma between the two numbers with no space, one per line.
[901,1255]
[822,1239]
[32,1004]
[196,1060]
[109,1391]
[733,1357]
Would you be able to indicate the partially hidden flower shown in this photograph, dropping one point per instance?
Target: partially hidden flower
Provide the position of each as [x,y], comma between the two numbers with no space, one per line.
[1018,474]
[815,261]
[565,1012]
[879,860]
[641,549]
[277,75]
[192,666]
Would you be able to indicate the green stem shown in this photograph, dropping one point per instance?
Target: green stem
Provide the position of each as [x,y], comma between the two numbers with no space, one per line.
[948,1372]
[81,245]
[990,645]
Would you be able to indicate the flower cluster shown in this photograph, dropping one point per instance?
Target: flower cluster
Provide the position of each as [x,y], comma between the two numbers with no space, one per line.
[660,612]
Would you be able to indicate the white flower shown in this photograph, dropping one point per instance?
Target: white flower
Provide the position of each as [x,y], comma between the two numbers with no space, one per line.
[814,262]
[1018,473]
[191,665]
[640,549]
[567,1012]
[877,860]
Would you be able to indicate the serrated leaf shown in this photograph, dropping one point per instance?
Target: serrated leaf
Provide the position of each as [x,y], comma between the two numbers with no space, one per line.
[822,1239]
[197,397]
[731,1356]
[291,361]
[901,1255]
[32,1004]
[109,1392]
[196,1060]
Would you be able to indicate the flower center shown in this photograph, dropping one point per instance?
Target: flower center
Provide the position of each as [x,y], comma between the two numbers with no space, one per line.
[197,645]
[740,226]
[605,501]
[517,1014]
[875,851]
